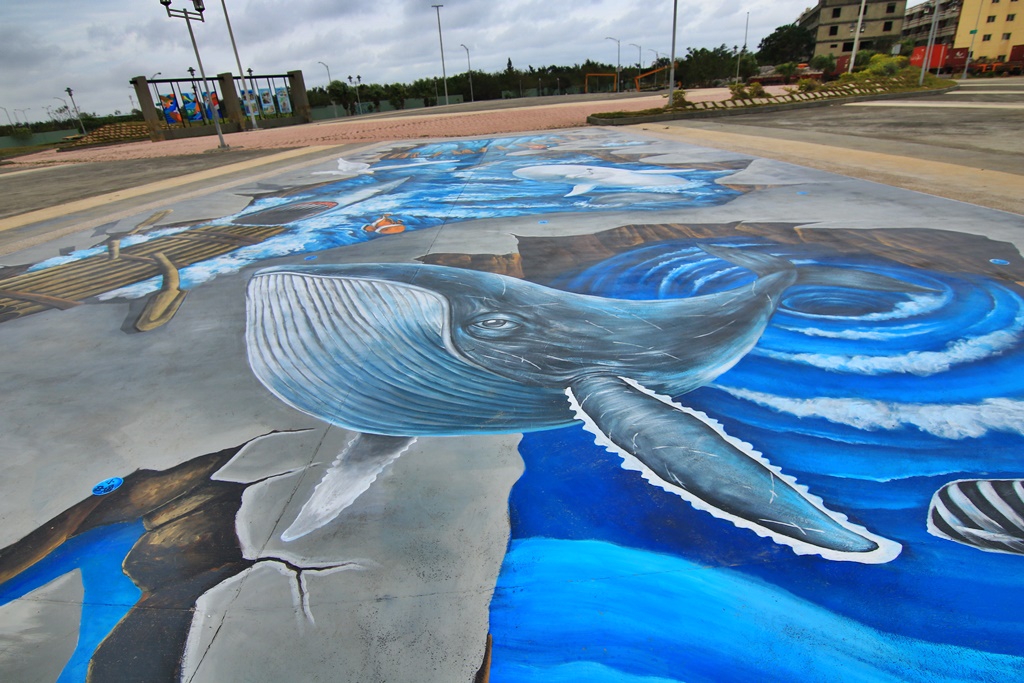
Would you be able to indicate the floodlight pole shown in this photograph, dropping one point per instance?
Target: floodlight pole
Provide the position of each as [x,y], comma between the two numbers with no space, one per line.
[974,34]
[238,62]
[77,113]
[188,17]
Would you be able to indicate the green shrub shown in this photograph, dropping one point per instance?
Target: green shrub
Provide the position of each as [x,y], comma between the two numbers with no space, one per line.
[755,89]
[21,133]
[807,85]
[739,91]
[679,99]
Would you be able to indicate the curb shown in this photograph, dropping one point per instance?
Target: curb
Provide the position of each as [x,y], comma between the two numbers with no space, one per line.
[716,112]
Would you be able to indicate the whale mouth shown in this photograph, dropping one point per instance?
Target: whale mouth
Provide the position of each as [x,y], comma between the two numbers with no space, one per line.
[375,355]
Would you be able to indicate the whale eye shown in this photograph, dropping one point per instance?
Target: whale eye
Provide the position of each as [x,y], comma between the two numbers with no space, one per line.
[493,325]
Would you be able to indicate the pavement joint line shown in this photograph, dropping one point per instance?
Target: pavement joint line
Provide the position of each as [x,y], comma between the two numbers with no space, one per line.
[940,105]
[53,212]
[79,226]
[951,181]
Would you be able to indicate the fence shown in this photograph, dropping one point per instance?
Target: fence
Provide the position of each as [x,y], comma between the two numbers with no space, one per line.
[181,107]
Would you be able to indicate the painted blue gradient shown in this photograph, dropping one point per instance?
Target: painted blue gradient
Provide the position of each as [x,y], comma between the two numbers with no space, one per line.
[672,593]
[109,593]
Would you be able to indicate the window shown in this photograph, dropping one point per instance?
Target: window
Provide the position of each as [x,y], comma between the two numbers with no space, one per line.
[991,19]
[995,2]
[887,26]
[890,8]
[1006,36]
[836,11]
[1011,17]
[833,30]
[848,46]
[987,37]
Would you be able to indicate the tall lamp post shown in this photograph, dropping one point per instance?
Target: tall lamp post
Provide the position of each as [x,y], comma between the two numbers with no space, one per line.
[856,36]
[739,59]
[444,76]
[333,105]
[618,61]
[931,41]
[188,17]
[71,95]
[8,116]
[672,57]
[22,113]
[974,33]
[469,67]
[238,63]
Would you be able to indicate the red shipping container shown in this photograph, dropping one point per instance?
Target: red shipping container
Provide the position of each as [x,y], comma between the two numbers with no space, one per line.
[938,56]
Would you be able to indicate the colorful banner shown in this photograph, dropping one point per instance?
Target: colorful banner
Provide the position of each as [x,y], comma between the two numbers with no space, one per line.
[267,101]
[249,101]
[284,104]
[169,106]
[191,108]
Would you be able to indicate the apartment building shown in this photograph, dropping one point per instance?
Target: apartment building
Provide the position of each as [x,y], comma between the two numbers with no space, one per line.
[918,22]
[834,23]
[990,28]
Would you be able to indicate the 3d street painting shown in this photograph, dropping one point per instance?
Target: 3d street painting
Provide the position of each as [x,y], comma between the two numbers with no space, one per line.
[565,406]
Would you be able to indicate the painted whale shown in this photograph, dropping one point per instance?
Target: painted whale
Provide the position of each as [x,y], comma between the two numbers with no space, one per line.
[586,178]
[405,350]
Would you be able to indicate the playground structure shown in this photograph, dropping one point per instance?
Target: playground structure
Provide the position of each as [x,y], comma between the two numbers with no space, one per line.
[653,86]
[586,81]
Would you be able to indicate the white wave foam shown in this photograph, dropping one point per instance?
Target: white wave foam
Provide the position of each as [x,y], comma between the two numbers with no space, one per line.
[947,421]
[957,352]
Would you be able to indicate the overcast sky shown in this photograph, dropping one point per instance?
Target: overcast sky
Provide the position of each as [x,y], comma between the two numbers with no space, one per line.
[96,46]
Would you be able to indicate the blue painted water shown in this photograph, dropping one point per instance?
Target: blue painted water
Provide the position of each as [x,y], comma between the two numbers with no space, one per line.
[874,400]
[448,182]
[109,594]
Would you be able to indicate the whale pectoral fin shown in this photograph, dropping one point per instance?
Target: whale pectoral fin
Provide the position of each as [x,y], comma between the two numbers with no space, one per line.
[348,477]
[686,453]
[582,188]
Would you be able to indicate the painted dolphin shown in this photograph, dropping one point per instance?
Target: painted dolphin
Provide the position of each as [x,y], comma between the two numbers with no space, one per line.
[586,178]
[406,350]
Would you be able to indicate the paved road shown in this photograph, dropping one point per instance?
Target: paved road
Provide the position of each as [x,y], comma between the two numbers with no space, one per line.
[963,145]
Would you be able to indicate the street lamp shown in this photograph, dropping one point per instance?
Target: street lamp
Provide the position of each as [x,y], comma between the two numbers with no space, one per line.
[672,57]
[188,17]
[355,86]
[156,93]
[22,113]
[657,56]
[333,105]
[8,116]
[238,63]
[444,76]
[71,95]
[640,56]
[618,61]
[469,67]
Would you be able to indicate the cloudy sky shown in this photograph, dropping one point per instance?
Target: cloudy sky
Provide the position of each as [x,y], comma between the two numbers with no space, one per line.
[96,46]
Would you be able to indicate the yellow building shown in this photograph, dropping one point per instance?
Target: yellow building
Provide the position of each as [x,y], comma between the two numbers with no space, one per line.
[990,28]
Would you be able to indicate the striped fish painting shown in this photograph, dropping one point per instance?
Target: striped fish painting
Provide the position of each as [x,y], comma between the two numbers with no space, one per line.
[985,513]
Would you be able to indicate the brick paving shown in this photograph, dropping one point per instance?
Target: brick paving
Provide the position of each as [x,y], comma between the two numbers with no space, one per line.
[376,129]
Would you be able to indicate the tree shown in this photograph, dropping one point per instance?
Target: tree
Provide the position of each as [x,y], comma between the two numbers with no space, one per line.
[789,43]
[787,70]
[824,63]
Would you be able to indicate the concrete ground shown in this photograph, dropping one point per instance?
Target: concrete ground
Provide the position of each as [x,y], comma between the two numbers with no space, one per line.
[445,462]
